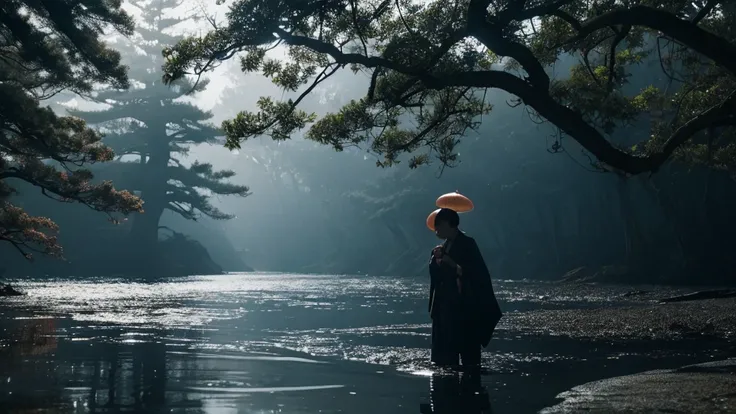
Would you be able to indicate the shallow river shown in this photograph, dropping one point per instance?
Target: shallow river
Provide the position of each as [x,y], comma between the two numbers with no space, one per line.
[272,343]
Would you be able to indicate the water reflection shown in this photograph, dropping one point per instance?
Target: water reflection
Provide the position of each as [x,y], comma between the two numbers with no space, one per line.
[41,372]
[36,337]
[455,393]
[249,343]
[61,367]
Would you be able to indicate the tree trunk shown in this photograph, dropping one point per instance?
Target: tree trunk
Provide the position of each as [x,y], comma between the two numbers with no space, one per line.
[672,218]
[144,231]
[636,247]
[554,232]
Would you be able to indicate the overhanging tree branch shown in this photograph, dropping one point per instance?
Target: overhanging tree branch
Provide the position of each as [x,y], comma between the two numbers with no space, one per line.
[565,118]
[710,45]
[722,114]
[705,11]
[491,35]
[458,67]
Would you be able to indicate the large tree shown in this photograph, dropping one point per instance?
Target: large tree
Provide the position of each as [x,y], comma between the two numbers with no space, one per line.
[151,127]
[431,62]
[46,47]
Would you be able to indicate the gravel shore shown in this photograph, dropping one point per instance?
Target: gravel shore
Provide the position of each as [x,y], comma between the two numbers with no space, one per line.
[704,388]
[713,318]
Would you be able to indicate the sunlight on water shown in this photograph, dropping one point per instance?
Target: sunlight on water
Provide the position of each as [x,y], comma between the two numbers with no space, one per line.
[224,342]
[200,300]
[267,389]
[244,358]
[379,320]
[207,298]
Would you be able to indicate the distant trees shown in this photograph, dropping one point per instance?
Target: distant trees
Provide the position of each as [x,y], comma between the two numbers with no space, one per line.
[47,47]
[431,63]
[151,131]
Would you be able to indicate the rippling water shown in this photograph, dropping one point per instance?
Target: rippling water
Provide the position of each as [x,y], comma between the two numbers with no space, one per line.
[258,343]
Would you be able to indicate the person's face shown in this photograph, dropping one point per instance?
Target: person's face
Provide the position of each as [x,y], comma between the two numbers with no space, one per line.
[442,229]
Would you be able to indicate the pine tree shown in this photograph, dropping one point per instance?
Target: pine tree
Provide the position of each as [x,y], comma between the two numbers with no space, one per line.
[432,62]
[47,47]
[148,124]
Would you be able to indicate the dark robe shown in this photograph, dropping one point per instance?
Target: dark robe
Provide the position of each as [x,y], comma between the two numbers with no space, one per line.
[462,321]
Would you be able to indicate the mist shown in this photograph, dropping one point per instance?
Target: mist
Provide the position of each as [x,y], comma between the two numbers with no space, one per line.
[542,211]
[153,259]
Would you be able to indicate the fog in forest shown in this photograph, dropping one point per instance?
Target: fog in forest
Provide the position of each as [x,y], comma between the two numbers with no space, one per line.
[261,238]
[541,211]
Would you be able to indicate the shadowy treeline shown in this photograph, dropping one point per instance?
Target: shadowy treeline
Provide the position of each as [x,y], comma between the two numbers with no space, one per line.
[542,211]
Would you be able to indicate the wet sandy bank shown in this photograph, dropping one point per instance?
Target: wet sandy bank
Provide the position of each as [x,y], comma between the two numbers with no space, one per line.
[704,388]
[713,318]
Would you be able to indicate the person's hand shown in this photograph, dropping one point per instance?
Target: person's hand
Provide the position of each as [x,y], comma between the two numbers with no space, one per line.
[437,254]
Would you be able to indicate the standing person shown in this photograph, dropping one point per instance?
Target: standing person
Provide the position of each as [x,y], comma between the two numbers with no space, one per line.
[462,305]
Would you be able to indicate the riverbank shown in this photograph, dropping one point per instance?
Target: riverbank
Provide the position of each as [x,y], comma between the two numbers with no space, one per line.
[8,290]
[706,388]
[714,318]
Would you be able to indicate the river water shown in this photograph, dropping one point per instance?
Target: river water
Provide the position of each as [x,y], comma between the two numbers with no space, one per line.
[274,343]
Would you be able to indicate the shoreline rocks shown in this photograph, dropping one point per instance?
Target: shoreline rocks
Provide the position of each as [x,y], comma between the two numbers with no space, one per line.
[702,388]
[696,319]
[7,290]
[702,295]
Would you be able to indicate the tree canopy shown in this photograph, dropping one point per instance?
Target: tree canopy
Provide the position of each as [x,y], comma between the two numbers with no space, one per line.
[150,125]
[47,47]
[431,62]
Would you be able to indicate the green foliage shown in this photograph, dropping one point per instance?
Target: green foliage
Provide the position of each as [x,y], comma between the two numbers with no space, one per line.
[703,89]
[432,62]
[45,48]
[151,123]
[278,119]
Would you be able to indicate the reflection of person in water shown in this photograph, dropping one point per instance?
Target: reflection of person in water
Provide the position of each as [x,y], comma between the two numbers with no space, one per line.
[456,393]
[462,305]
